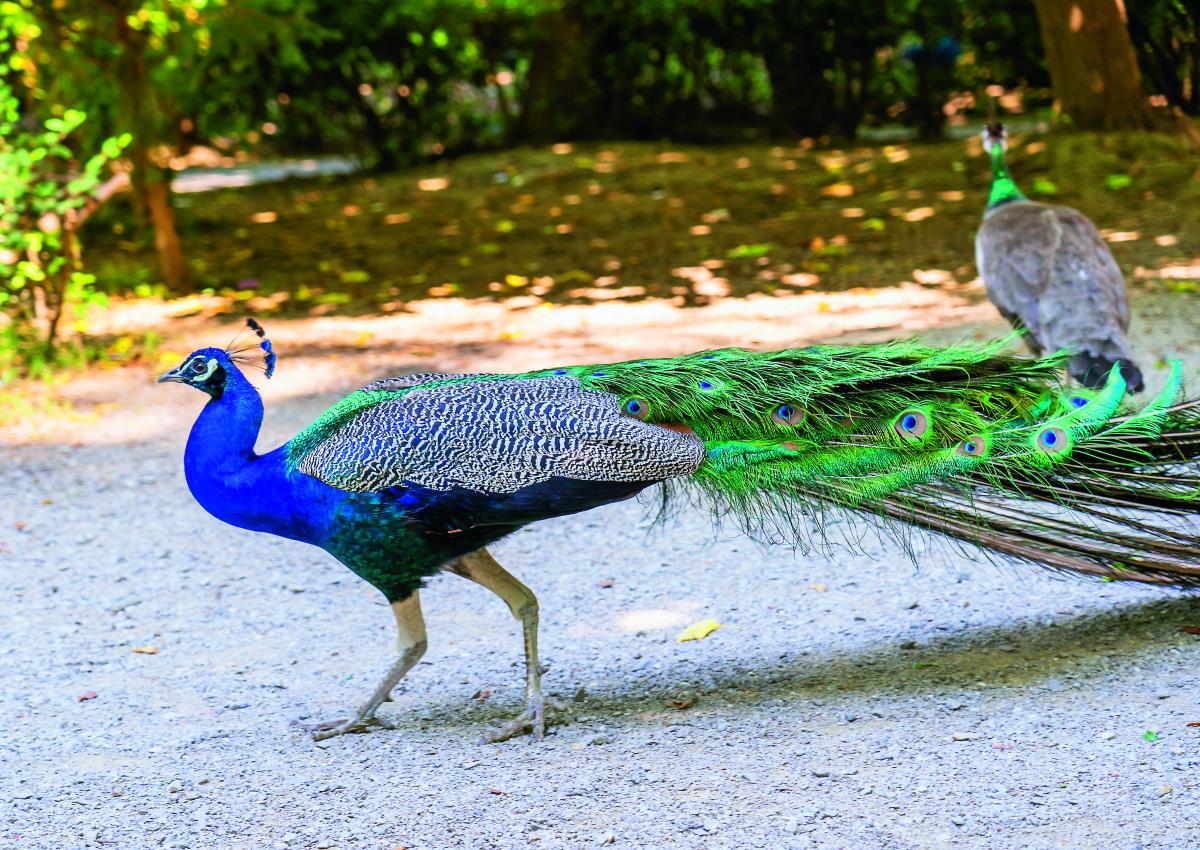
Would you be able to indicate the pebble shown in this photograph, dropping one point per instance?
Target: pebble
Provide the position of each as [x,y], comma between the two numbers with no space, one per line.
[964,736]
[821,772]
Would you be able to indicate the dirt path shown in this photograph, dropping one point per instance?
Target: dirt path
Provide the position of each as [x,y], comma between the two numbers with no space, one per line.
[851,702]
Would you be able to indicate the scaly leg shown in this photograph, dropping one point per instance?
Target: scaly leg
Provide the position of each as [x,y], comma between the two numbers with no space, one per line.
[481,568]
[410,646]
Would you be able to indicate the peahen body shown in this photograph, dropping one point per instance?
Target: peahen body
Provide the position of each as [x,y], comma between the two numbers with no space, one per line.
[414,475]
[1049,272]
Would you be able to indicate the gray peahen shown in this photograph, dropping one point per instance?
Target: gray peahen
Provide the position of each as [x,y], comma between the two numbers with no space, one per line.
[413,475]
[1050,273]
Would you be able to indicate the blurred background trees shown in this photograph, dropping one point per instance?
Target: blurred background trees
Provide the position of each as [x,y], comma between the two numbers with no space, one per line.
[395,82]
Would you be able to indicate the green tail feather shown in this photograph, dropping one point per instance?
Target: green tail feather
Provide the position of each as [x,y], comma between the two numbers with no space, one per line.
[966,441]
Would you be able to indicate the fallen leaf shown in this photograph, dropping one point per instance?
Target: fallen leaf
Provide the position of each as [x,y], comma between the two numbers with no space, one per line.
[1194,723]
[86,695]
[684,699]
[1150,735]
[146,650]
[496,791]
[1191,630]
[604,582]
[698,631]
[483,694]
[838,190]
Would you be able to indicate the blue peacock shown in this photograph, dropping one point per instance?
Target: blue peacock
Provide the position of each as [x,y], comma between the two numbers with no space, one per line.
[417,474]
[1051,274]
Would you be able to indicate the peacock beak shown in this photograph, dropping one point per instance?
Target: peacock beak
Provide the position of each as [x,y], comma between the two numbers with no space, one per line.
[172,375]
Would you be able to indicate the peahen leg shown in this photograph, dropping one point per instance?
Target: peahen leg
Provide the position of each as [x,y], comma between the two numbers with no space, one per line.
[410,646]
[481,568]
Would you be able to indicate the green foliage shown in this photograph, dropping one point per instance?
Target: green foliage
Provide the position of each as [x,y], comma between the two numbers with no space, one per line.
[1166,35]
[402,80]
[1042,186]
[43,187]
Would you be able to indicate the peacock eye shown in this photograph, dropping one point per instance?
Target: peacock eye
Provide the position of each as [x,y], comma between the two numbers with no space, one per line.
[788,414]
[1053,441]
[912,425]
[635,407]
[1079,401]
[974,446]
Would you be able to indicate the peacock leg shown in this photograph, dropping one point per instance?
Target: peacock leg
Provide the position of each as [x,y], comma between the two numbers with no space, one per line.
[410,646]
[481,568]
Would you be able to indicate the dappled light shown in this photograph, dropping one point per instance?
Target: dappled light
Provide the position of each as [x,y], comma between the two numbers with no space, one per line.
[652,619]
[781,220]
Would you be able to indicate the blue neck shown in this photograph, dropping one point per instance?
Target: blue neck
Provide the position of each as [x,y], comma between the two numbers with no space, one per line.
[245,489]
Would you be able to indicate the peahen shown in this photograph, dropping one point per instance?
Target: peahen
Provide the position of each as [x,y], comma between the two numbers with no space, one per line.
[1049,272]
[412,475]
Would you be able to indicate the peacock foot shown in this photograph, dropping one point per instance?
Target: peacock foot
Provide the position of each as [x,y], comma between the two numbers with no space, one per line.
[531,721]
[334,728]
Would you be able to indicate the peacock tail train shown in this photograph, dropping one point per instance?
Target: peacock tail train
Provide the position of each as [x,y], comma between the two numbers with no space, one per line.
[966,441]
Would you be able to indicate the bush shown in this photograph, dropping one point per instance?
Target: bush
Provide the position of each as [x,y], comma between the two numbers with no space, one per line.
[44,197]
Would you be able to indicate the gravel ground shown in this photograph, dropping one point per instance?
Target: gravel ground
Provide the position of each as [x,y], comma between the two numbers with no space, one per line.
[847,702]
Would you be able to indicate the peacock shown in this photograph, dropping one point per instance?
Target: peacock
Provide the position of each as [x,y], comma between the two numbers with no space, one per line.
[413,475]
[1051,274]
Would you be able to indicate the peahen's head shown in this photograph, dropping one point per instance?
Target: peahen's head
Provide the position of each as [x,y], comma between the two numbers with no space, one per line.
[995,134]
[208,369]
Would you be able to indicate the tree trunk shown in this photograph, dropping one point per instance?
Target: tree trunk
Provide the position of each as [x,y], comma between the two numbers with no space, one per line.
[151,183]
[166,237]
[1093,67]
[560,99]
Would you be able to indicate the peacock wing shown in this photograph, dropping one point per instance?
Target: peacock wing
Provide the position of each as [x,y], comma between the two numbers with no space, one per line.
[404,382]
[498,436]
[1015,250]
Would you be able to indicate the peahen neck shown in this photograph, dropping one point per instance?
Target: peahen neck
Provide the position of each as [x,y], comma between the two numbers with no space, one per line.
[1004,190]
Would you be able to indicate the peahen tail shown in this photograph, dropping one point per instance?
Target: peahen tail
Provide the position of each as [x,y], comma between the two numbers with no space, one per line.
[967,442]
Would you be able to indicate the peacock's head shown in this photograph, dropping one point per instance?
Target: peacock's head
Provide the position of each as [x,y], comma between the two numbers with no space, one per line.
[994,134]
[207,369]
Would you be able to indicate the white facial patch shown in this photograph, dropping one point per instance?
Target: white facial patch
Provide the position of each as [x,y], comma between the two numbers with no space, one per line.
[211,367]
[988,140]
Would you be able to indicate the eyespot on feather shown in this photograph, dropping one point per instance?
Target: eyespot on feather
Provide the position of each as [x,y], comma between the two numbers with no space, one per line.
[788,414]
[911,425]
[635,407]
[1052,441]
[976,445]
